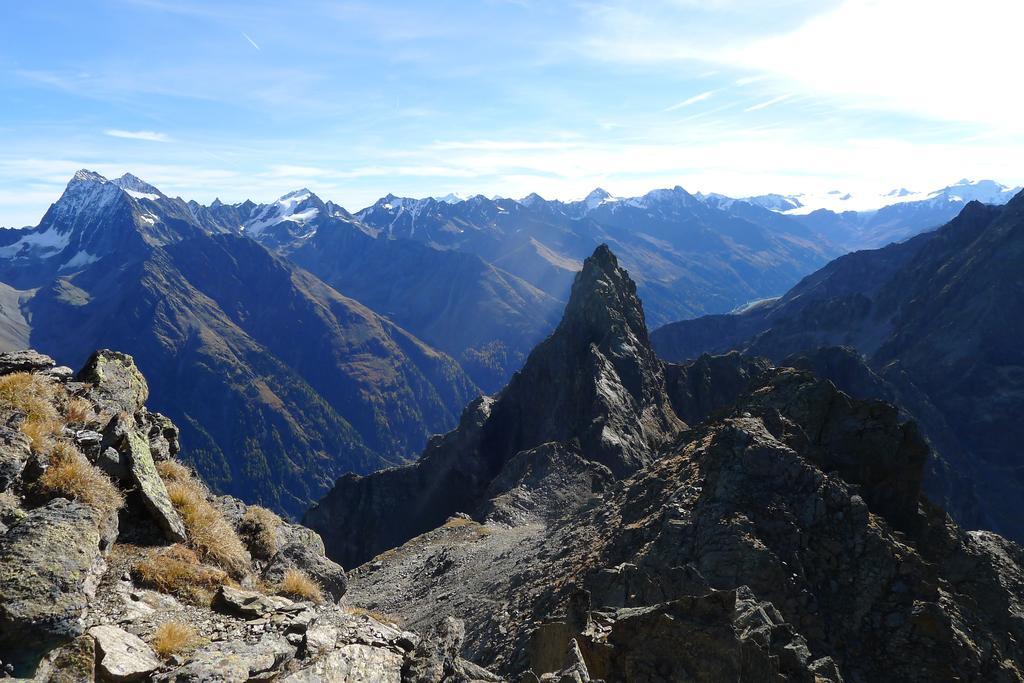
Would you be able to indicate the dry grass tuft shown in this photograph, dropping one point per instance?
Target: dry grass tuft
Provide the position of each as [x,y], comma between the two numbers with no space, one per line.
[71,475]
[172,470]
[79,411]
[173,637]
[209,533]
[259,531]
[33,395]
[297,585]
[177,570]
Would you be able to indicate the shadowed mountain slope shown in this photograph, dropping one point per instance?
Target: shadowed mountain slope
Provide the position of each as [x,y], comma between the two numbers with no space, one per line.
[933,323]
[279,383]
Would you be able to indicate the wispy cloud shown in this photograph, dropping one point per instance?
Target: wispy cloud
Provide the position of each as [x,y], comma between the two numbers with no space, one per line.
[147,135]
[251,41]
[692,100]
[502,145]
[769,103]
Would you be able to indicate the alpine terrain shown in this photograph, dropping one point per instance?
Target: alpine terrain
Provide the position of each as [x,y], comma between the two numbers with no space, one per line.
[929,324]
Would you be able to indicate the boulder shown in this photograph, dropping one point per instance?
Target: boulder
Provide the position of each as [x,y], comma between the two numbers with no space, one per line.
[576,669]
[24,361]
[252,605]
[71,663]
[117,384]
[163,435]
[302,548]
[235,662]
[50,564]
[320,638]
[61,373]
[125,453]
[122,656]
[356,663]
[437,658]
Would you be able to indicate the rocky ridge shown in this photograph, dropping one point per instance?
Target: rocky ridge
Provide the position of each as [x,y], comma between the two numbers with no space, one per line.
[774,530]
[117,564]
[594,385]
[929,324]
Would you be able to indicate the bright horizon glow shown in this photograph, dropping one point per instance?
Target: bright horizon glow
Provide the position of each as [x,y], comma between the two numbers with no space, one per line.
[242,100]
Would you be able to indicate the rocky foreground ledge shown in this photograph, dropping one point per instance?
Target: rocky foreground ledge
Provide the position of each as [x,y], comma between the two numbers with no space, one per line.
[117,564]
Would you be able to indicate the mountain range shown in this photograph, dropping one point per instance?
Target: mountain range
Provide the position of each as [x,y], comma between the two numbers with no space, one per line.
[930,324]
[610,516]
[279,382]
[856,221]
[317,341]
[606,516]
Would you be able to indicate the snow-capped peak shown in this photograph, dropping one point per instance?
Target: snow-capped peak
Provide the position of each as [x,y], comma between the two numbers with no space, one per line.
[965,190]
[87,192]
[85,175]
[451,198]
[596,198]
[298,206]
[137,187]
[985,191]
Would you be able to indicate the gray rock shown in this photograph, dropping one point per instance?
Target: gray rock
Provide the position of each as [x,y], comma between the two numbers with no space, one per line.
[251,604]
[437,658]
[576,669]
[14,453]
[50,564]
[234,662]
[302,548]
[61,373]
[320,638]
[135,462]
[24,361]
[163,436]
[71,663]
[89,442]
[353,663]
[825,671]
[117,384]
[122,656]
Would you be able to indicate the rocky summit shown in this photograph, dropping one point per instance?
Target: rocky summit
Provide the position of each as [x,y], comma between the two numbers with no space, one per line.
[607,516]
[614,517]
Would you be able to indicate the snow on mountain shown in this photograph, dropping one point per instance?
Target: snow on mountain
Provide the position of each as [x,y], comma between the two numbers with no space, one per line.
[775,202]
[596,198]
[963,191]
[299,207]
[37,244]
[137,187]
[452,198]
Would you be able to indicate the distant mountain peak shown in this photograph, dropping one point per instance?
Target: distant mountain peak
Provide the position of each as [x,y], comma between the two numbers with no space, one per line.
[301,193]
[137,187]
[298,206]
[85,175]
[532,199]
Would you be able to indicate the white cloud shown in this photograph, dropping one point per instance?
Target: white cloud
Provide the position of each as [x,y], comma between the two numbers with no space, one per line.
[940,59]
[251,41]
[692,100]
[937,59]
[769,103]
[147,135]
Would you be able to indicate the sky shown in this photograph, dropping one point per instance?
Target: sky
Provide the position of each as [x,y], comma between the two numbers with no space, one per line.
[248,100]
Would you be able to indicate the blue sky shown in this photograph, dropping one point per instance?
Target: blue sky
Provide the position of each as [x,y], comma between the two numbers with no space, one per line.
[356,99]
